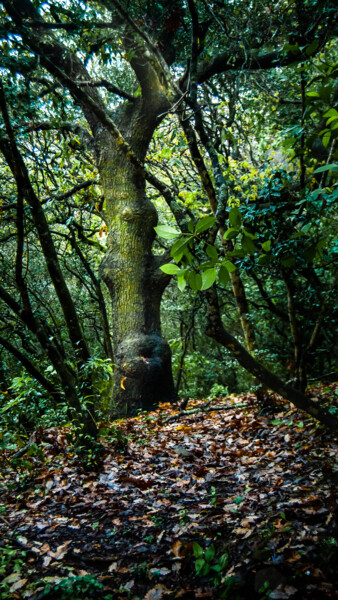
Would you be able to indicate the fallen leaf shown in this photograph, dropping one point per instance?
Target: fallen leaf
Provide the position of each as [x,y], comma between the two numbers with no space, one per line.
[156,593]
[18,585]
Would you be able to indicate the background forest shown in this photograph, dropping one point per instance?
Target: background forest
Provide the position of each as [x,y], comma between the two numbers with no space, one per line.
[213,124]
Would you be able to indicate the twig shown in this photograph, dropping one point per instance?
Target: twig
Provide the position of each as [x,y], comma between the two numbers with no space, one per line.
[192,411]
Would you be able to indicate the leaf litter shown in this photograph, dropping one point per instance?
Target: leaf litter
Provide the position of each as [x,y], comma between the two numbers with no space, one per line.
[233,503]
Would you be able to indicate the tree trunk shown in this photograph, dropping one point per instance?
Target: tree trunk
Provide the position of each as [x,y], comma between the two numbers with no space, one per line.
[143,375]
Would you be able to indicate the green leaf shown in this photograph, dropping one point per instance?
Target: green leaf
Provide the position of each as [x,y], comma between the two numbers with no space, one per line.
[313,94]
[223,275]
[332,112]
[191,226]
[166,232]
[197,550]
[209,553]
[248,245]
[195,281]
[178,248]
[263,259]
[235,217]
[229,266]
[204,224]
[330,167]
[266,245]
[312,48]
[251,236]
[217,568]
[231,233]
[181,282]
[238,500]
[212,253]
[326,138]
[170,269]
[288,261]
[199,565]
[208,278]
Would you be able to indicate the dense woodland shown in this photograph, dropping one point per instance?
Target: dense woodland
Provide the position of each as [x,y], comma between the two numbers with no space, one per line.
[168,269]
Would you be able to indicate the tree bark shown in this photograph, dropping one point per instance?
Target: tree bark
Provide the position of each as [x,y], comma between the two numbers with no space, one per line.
[143,375]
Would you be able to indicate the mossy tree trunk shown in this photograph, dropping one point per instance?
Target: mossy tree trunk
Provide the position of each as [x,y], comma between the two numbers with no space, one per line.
[143,374]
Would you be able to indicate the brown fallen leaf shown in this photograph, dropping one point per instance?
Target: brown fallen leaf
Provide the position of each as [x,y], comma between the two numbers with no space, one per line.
[283,592]
[157,592]
[61,551]
[18,585]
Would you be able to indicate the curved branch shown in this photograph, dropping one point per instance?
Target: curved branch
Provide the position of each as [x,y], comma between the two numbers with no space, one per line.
[216,330]
[31,369]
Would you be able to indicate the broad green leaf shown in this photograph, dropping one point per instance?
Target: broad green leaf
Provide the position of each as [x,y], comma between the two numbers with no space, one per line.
[170,269]
[306,228]
[209,553]
[326,138]
[231,233]
[312,48]
[238,500]
[266,245]
[212,252]
[197,550]
[235,217]
[223,275]
[181,282]
[229,266]
[178,248]
[204,224]
[166,232]
[251,236]
[330,167]
[199,565]
[195,281]
[248,245]
[332,112]
[208,278]
[217,568]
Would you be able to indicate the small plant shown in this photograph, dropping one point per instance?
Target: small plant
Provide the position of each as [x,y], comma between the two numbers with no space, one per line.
[149,539]
[212,495]
[207,562]
[141,570]
[12,566]
[158,522]
[265,591]
[75,588]
[184,517]
[218,390]
[86,448]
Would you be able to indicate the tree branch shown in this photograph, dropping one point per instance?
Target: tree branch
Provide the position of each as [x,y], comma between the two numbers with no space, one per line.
[32,370]
[216,330]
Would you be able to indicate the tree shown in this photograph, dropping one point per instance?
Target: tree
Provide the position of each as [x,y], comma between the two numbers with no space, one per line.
[172,53]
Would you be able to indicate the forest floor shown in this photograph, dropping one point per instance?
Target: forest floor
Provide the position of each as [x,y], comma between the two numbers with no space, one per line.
[232,501]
